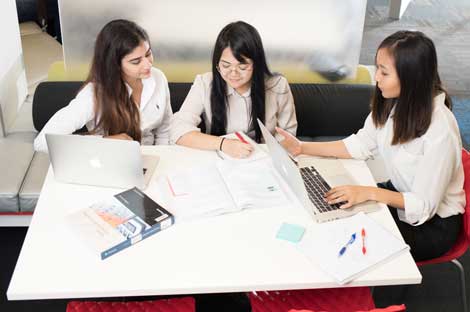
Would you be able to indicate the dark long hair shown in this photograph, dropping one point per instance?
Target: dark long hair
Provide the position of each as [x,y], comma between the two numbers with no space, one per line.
[245,42]
[115,111]
[416,65]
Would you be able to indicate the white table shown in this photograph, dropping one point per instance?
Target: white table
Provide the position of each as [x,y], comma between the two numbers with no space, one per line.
[229,253]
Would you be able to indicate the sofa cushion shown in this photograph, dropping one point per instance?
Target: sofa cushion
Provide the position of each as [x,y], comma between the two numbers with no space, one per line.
[16,152]
[331,109]
[49,97]
[33,181]
[325,138]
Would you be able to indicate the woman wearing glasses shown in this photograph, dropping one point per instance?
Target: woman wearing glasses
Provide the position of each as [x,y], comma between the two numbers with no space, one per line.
[240,89]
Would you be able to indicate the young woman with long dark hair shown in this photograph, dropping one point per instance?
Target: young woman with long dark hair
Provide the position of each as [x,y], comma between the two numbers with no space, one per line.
[412,127]
[124,97]
[240,89]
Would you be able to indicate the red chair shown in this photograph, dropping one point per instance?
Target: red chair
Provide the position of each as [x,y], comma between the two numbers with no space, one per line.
[184,304]
[352,299]
[463,241]
[337,299]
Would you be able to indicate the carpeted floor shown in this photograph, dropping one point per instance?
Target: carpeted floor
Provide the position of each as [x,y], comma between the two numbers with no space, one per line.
[447,23]
[461,109]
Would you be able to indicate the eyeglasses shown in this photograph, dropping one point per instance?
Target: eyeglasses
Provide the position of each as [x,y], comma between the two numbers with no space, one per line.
[241,69]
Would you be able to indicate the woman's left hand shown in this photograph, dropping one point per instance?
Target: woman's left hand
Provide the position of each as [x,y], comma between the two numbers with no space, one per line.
[349,194]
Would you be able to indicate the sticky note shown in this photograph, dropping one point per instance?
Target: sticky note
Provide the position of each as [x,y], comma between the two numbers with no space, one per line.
[290,232]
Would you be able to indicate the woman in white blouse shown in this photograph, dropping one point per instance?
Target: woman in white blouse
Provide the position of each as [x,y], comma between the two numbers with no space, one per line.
[124,97]
[239,90]
[412,127]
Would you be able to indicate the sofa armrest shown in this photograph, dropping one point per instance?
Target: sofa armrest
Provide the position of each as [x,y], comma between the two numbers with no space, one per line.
[33,182]
[15,157]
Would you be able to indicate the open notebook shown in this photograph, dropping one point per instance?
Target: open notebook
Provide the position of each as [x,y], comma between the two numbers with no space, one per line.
[323,243]
[224,187]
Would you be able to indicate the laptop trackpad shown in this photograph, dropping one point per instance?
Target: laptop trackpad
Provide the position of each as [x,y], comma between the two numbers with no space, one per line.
[338,180]
[332,170]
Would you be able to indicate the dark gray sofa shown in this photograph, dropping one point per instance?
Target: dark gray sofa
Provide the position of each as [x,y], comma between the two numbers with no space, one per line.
[324,112]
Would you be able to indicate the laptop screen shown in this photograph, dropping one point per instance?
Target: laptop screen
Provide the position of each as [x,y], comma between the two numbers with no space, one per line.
[285,166]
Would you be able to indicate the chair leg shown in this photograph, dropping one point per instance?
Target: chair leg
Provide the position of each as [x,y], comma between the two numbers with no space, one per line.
[462,282]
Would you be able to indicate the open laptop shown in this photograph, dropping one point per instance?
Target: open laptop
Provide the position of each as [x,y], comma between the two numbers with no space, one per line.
[92,160]
[312,179]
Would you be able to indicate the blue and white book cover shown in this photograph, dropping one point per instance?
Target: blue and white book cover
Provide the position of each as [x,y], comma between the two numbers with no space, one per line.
[120,221]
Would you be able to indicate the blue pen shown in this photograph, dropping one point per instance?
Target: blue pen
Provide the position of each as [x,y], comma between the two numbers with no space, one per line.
[343,249]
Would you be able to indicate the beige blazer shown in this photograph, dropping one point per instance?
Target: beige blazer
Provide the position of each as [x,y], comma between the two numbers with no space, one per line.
[280,109]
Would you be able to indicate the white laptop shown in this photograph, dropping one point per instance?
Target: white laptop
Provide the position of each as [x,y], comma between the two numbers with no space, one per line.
[91,160]
[312,179]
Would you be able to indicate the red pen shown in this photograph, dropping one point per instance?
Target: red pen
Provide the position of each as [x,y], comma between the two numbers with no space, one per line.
[239,136]
[363,235]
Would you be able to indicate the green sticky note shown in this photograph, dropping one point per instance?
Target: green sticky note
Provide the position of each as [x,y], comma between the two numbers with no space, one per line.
[290,232]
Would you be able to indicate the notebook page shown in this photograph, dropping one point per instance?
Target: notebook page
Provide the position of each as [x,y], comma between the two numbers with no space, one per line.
[252,184]
[322,243]
[198,192]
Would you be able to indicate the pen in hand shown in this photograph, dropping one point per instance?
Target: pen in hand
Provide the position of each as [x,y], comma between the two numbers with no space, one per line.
[241,138]
[345,247]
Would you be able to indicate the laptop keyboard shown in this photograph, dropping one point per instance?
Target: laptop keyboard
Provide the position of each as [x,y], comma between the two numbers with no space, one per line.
[316,188]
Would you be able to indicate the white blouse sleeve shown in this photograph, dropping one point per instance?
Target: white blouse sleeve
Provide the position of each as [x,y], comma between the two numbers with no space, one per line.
[188,117]
[68,119]
[162,133]
[287,119]
[433,176]
[363,145]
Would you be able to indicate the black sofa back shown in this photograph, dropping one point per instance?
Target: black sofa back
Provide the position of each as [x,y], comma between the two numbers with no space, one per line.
[323,110]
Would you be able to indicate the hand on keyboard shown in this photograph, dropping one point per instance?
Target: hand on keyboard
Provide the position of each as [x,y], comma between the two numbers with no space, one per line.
[347,195]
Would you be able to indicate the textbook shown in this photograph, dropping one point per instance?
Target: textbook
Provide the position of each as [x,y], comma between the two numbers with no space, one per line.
[120,221]
[224,187]
[349,247]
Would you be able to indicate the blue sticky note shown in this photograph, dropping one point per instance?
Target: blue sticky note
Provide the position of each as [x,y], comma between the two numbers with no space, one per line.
[290,232]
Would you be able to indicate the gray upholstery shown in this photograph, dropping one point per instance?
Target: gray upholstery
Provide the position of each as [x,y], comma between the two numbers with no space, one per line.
[16,153]
[32,184]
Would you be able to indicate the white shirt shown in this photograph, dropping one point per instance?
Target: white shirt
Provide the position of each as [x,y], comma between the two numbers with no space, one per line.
[155,113]
[279,108]
[427,170]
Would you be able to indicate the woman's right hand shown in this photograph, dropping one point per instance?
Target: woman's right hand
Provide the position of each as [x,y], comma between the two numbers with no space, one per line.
[120,136]
[236,149]
[290,142]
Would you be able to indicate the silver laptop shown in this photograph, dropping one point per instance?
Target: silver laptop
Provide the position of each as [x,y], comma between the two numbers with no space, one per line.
[312,179]
[92,160]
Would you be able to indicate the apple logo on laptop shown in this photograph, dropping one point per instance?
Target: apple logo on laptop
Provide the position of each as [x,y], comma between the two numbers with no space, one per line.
[95,163]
